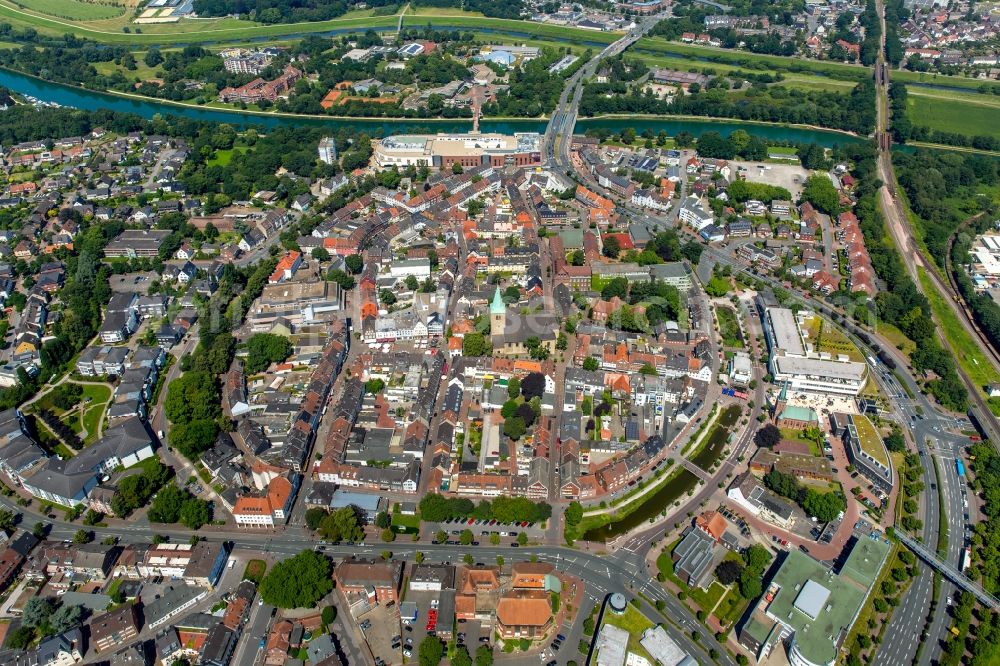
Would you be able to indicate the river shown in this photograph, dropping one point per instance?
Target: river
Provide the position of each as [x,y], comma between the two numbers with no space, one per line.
[677,486]
[90,100]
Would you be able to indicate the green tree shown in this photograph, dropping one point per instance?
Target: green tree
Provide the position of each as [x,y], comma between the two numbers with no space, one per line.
[65,618]
[522,538]
[193,396]
[431,651]
[341,525]
[412,283]
[166,508]
[194,513]
[465,538]
[484,656]
[822,194]
[328,615]
[355,263]
[476,344]
[573,513]
[314,516]
[345,280]
[514,427]
[590,363]
[20,638]
[299,582]
[37,611]
[386,297]
[461,657]
[153,57]
[83,536]
[612,247]
[264,349]
[193,437]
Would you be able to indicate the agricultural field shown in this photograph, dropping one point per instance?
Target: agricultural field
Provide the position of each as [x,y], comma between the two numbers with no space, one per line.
[955,113]
[76,10]
[187,31]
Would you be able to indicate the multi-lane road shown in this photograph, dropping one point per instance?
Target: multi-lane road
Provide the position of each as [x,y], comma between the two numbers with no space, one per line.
[559,131]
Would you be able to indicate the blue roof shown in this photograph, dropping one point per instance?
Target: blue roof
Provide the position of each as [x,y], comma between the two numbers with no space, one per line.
[499,57]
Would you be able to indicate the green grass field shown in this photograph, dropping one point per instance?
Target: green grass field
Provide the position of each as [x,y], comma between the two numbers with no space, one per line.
[916,78]
[897,338]
[224,157]
[227,30]
[955,114]
[966,350]
[729,327]
[440,11]
[222,30]
[74,10]
[731,608]
[634,623]
[656,45]
[142,71]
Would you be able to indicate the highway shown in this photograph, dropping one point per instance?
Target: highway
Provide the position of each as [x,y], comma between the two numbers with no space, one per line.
[944,447]
[624,572]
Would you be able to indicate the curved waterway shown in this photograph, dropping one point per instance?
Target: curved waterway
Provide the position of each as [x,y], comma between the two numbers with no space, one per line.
[90,100]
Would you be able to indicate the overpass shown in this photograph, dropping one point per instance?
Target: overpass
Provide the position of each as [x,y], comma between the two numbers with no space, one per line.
[949,571]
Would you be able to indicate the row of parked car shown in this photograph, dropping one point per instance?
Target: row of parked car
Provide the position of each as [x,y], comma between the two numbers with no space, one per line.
[494,522]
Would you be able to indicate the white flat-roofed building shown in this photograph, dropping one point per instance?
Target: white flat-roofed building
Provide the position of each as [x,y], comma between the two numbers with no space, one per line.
[612,646]
[819,375]
[796,364]
[418,268]
[740,368]
[661,647]
[442,151]
[786,331]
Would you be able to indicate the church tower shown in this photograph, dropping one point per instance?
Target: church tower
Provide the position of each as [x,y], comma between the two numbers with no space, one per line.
[779,405]
[498,314]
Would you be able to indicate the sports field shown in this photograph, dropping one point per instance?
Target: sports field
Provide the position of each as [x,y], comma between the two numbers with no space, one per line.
[956,114]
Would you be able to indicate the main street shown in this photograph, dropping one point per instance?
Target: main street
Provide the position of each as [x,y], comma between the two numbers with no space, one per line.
[624,572]
[559,131]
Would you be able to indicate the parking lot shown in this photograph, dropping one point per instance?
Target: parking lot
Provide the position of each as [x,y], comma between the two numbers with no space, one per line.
[789,176]
[380,626]
[481,531]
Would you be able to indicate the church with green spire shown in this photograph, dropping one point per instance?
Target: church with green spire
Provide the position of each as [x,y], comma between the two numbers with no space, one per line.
[513,334]
[498,314]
